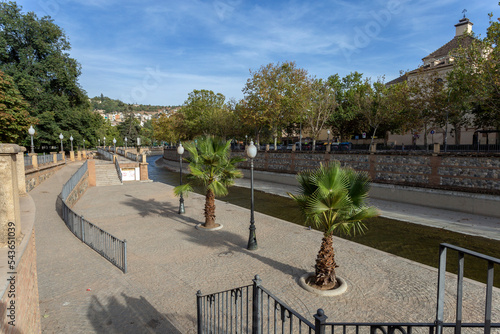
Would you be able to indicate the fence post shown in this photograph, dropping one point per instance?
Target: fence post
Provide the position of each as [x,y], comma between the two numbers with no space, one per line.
[440,294]
[199,311]
[124,256]
[82,228]
[256,306]
[319,321]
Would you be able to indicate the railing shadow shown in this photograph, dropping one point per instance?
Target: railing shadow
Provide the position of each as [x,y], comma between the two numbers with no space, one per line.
[135,315]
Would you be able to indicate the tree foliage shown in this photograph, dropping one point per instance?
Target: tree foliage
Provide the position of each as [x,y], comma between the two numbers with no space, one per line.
[14,112]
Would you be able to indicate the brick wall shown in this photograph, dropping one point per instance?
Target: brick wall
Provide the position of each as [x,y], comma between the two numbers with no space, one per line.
[472,173]
[78,191]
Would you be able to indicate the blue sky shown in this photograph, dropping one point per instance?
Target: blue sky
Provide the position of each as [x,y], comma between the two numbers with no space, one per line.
[156,52]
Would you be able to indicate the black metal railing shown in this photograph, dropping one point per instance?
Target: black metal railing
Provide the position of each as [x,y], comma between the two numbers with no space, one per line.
[253,309]
[59,157]
[28,161]
[107,155]
[108,246]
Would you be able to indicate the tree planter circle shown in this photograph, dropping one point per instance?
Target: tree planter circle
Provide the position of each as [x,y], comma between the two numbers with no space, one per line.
[328,293]
[203,228]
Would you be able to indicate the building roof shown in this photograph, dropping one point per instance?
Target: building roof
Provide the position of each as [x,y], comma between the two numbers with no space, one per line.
[455,43]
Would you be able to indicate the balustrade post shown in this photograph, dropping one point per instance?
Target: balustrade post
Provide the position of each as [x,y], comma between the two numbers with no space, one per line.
[319,322]
[257,306]
[199,311]
[82,229]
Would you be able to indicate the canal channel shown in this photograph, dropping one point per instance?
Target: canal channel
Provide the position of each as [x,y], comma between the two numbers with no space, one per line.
[412,241]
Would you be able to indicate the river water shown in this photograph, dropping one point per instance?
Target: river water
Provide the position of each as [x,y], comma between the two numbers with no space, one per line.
[412,241]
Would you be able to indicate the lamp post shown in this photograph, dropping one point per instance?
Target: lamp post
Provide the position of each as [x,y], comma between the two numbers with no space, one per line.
[328,140]
[61,137]
[104,141]
[180,151]
[31,131]
[84,144]
[252,239]
[99,141]
[71,139]
[126,142]
[114,145]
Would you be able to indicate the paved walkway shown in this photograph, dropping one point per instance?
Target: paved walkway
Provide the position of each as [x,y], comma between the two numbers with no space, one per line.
[169,260]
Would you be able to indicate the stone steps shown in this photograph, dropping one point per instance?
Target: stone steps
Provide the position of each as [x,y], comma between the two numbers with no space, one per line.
[106,175]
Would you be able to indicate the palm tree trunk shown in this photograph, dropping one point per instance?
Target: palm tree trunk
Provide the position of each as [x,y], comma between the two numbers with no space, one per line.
[210,209]
[325,263]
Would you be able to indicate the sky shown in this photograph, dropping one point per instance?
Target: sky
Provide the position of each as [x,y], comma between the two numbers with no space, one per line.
[157,52]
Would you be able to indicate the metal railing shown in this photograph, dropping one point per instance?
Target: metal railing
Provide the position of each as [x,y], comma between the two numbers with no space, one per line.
[132,156]
[28,161]
[44,159]
[118,170]
[253,309]
[108,246]
[59,156]
[107,155]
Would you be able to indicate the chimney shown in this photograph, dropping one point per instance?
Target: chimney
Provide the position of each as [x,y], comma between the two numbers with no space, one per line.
[463,26]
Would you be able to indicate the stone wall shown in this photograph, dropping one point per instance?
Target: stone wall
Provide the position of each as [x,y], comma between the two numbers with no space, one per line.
[35,176]
[78,191]
[470,173]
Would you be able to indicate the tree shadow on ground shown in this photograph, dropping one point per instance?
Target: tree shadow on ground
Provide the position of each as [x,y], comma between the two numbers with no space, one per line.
[152,207]
[231,243]
[136,316]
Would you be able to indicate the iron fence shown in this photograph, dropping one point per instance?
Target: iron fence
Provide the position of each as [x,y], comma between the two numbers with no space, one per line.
[107,155]
[118,170]
[59,156]
[108,246]
[253,309]
[28,161]
[132,156]
[44,159]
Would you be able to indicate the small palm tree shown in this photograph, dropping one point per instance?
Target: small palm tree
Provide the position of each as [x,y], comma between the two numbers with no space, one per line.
[333,199]
[211,165]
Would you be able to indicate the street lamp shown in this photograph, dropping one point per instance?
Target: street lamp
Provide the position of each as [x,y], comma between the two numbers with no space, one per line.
[114,145]
[84,144]
[99,142]
[180,151]
[126,142]
[71,139]
[104,141]
[31,131]
[252,239]
[61,137]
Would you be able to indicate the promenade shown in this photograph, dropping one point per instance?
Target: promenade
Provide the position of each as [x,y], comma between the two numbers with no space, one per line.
[169,260]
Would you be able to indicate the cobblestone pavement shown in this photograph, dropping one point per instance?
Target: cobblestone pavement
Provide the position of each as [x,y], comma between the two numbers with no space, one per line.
[169,260]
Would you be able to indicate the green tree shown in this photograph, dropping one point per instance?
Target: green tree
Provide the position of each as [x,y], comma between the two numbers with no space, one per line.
[322,104]
[34,52]
[204,113]
[130,128]
[333,199]
[14,112]
[277,95]
[210,165]
[474,81]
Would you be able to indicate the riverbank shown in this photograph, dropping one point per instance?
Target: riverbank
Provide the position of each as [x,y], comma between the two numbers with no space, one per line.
[460,222]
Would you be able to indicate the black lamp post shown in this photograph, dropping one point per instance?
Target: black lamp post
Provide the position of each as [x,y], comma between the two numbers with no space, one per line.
[252,239]
[61,137]
[180,151]
[31,131]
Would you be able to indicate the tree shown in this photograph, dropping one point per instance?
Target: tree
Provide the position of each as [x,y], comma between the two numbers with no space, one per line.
[333,199]
[163,128]
[129,128]
[351,90]
[14,112]
[204,113]
[276,95]
[34,52]
[474,78]
[210,164]
[322,105]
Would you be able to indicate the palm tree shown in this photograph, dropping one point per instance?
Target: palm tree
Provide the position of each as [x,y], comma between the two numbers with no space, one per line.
[211,165]
[333,199]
